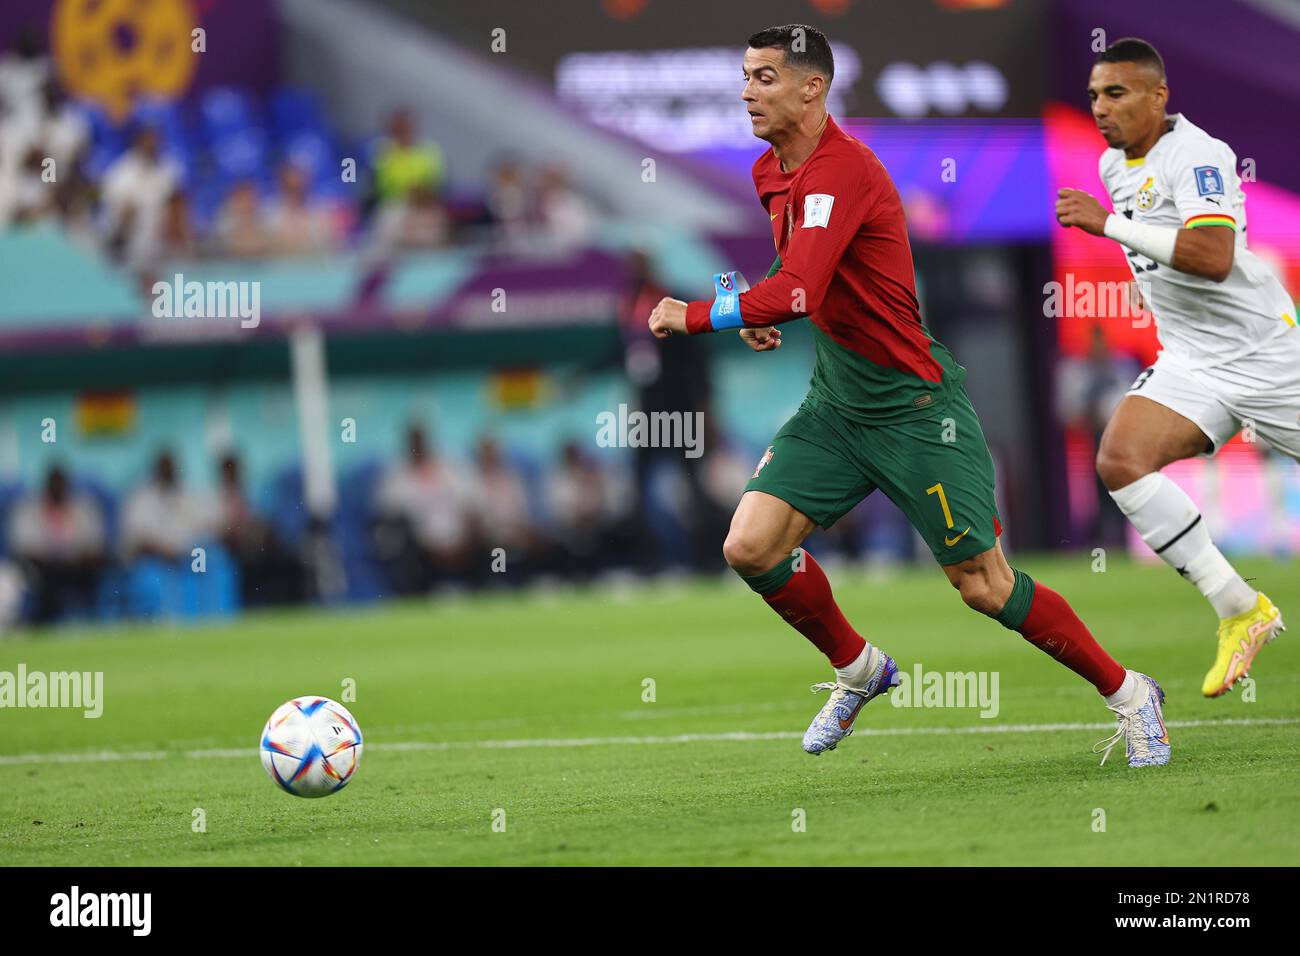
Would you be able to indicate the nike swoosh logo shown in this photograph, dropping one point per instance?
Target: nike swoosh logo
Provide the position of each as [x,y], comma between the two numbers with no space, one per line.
[951,541]
[774,215]
[846,724]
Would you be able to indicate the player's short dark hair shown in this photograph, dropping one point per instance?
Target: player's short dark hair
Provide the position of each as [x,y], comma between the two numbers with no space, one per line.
[1132,50]
[806,48]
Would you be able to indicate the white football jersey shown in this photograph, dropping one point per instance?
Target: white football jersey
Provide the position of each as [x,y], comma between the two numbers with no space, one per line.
[1190,179]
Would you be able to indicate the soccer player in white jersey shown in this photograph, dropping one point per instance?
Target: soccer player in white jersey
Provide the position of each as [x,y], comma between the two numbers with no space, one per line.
[1230,349]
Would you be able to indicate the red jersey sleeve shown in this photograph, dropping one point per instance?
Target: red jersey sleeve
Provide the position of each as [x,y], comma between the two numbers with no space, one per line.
[833,201]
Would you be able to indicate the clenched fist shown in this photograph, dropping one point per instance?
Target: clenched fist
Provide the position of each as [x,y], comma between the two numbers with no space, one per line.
[1074,207]
[761,339]
[669,316]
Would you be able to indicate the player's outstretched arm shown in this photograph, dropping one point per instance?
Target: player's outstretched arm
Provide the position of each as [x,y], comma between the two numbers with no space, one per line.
[669,316]
[1205,251]
[836,195]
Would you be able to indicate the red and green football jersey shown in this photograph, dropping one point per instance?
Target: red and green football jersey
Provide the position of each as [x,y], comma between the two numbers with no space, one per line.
[845,264]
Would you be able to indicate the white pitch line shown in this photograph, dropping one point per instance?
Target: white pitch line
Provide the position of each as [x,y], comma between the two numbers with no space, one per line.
[105,756]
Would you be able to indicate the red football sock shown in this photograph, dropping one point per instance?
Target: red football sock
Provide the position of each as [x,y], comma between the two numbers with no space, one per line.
[1054,628]
[807,605]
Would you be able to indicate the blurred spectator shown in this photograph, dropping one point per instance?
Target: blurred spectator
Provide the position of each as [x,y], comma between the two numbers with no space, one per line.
[59,538]
[269,573]
[669,376]
[62,131]
[76,207]
[425,523]
[40,149]
[24,71]
[724,471]
[588,515]
[509,201]
[178,240]
[1088,392]
[402,164]
[297,224]
[163,521]
[241,231]
[12,589]
[504,518]
[135,192]
[566,216]
[416,221]
[24,196]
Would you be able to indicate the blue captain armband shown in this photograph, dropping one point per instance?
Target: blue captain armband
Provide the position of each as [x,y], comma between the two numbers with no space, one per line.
[725,311]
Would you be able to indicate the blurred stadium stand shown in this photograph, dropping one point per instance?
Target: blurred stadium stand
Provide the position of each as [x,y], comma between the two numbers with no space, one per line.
[540,190]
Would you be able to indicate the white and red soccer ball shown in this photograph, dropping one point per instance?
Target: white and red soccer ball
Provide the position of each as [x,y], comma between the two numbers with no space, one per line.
[311,746]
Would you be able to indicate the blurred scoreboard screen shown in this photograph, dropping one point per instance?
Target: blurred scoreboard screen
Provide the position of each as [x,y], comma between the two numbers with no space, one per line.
[653,63]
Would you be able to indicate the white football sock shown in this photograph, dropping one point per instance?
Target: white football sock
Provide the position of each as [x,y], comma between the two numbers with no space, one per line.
[859,672]
[1123,698]
[1172,527]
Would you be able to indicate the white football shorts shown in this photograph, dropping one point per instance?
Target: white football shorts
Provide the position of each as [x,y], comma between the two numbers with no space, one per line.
[1259,393]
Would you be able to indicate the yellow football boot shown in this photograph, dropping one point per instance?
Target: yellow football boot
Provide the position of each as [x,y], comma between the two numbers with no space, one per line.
[1240,639]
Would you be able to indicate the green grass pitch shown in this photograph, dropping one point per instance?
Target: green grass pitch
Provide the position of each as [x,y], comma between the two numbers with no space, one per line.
[528,709]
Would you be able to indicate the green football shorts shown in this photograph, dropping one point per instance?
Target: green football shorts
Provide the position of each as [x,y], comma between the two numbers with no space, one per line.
[937,470]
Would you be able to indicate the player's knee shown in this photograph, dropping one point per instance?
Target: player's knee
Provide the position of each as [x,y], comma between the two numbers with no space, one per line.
[979,593]
[1119,467]
[747,553]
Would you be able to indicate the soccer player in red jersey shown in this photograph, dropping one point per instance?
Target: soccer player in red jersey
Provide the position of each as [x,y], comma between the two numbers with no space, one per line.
[885,408]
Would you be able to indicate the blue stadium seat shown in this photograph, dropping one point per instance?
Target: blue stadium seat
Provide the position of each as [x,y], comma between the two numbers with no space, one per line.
[215,592]
[295,110]
[10,493]
[206,197]
[313,153]
[224,110]
[366,578]
[165,116]
[241,154]
[151,586]
[111,599]
[533,474]
[156,589]
[288,512]
[103,129]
